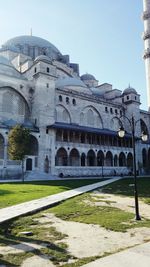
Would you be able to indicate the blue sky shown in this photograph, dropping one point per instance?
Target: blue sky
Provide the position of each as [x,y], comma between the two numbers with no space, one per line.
[103,36]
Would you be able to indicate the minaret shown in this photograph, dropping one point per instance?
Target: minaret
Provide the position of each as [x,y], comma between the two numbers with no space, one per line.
[146,38]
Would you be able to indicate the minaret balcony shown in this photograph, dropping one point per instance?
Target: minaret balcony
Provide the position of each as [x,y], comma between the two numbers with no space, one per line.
[146,15]
[146,35]
[146,54]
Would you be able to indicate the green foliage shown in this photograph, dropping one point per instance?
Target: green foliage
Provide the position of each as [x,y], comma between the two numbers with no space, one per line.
[19,142]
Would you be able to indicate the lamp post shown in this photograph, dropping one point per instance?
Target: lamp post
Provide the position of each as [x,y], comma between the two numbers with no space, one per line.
[144,137]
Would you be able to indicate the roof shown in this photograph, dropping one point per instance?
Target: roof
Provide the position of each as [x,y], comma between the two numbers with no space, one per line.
[68,81]
[87,76]
[29,40]
[43,58]
[26,43]
[5,61]
[77,128]
[129,90]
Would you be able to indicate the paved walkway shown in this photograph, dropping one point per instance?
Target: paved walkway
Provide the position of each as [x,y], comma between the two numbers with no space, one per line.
[138,256]
[42,203]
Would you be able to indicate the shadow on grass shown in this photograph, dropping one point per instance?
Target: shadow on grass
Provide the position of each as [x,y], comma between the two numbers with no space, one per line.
[126,187]
[48,248]
[6,263]
[5,192]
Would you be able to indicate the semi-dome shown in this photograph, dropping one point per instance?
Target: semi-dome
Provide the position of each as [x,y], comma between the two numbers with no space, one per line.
[6,67]
[87,76]
[129,90]
[69,81]
[43,58]
[5,61]
[31,46]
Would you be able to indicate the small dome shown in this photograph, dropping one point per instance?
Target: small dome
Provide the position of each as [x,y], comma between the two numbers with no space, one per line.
[129,90]
[87,76]
[5,61]
[68,81]
[43,58]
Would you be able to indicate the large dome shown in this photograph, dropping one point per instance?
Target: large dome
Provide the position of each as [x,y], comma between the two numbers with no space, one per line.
[32,46]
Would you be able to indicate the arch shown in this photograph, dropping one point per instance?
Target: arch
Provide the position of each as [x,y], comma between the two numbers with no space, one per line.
[81,118]
[122,159]
[46,165]
[93,113]
[115,160]
[129,160]
[2,142]
[109,159]
[100,158]
[90,117]
[21,97]
[74,157]
[62,114]
[83,157]
[34,147]
[29,164]
[61,158]
[91,158]
[115,124]
[144,127]
[144,157]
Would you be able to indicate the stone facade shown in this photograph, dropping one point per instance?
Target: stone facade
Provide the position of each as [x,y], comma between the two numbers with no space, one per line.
[73,119]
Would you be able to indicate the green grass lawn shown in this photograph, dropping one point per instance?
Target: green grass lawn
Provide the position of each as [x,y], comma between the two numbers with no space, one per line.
[126,187]
[76,209]
[14,193]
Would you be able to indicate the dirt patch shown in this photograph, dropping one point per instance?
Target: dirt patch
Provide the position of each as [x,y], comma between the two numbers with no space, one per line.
[86,240]
[123,203]
[37,261]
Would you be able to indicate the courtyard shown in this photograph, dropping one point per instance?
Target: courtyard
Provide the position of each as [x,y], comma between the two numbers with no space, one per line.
[79,230]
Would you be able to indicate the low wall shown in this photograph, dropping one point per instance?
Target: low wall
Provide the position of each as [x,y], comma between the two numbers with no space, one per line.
[90,171]
[10,172]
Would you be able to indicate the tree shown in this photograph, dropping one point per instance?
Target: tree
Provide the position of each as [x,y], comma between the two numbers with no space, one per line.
[19,144]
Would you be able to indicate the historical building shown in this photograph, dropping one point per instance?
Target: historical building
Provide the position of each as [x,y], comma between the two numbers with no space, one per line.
[73,119]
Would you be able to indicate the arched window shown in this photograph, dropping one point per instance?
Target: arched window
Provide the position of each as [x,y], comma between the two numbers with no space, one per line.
[1,147]
[91,158]
[61,158]
[47,69]
[21,106]
[115,160]
[100,158]
[60,98]
[129,160]
[83,157]
[67,100]
[65,116]
[74,157]
[82,118]
[90,117]
[7,102]
[33,146]
[73,101]
[122,159]
[109,159]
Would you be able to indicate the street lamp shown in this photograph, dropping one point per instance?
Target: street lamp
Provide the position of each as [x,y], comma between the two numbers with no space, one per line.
[144,137]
